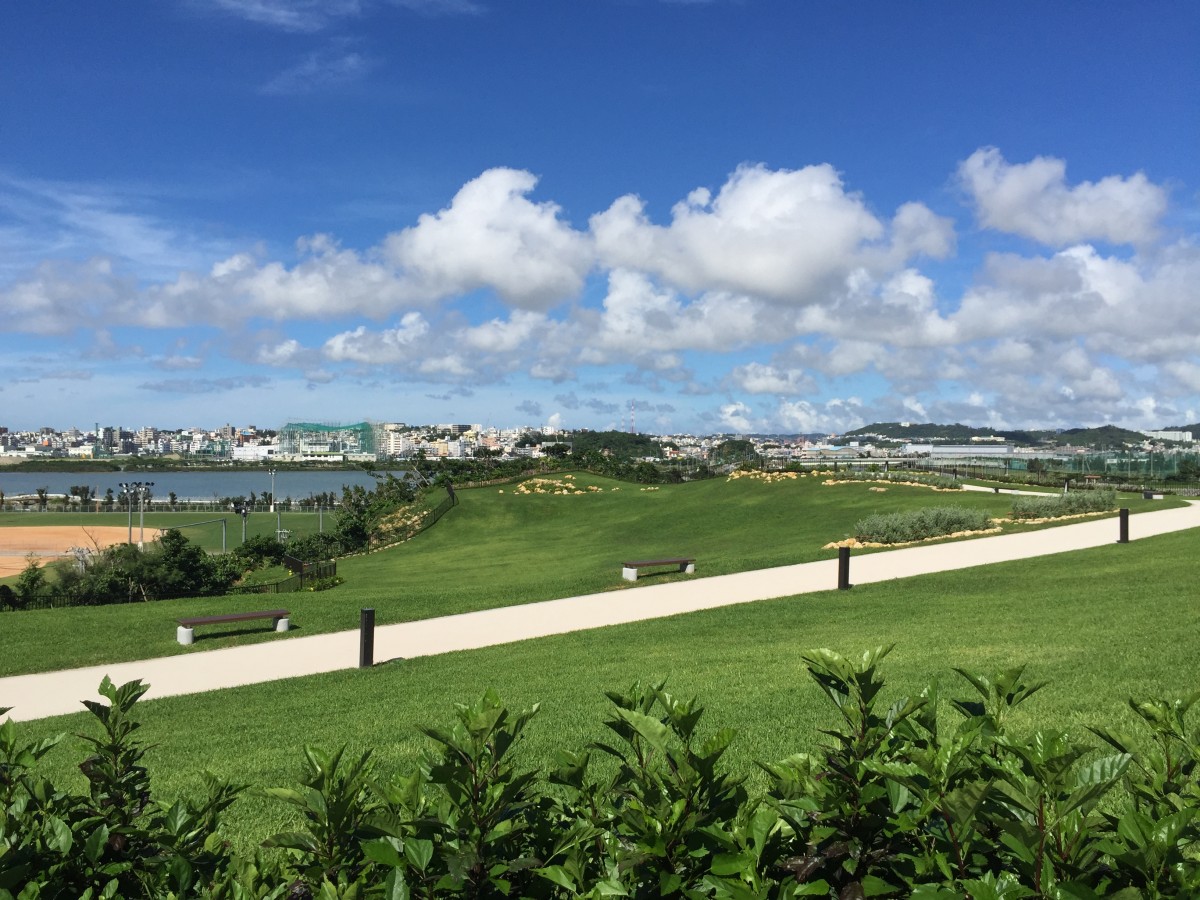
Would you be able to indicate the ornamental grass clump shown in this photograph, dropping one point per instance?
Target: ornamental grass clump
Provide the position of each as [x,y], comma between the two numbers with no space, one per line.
[920,524]
[1072,503]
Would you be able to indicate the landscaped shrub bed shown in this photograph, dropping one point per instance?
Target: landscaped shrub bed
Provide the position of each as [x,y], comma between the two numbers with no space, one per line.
[1072,503]
[920,524]
[939,482]
[921,799]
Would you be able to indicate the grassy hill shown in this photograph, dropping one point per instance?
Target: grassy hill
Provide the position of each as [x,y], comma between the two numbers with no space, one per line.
[1106,437]
[500,548]
[1101,625]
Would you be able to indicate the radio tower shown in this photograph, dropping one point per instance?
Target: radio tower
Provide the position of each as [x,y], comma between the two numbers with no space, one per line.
[632,411]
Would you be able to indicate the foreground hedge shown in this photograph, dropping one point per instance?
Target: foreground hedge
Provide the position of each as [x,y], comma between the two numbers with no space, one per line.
[903,801]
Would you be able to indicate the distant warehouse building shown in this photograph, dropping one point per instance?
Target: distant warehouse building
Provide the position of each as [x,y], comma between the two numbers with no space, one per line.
[959,451]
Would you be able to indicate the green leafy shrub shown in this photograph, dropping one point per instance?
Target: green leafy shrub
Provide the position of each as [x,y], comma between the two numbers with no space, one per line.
[1068,504]
[315,547]
[920,524]
[917,797]
[258,550]
[114,840]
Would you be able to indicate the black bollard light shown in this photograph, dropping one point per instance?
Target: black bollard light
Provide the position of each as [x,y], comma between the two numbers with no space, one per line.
[1124,514]
[366,638]
[843,568]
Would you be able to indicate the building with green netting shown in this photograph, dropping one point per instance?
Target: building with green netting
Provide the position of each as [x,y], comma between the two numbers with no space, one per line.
[312,441]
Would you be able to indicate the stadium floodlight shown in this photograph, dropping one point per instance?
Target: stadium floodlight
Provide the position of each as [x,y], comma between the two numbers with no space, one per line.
[127,493]
[143,492]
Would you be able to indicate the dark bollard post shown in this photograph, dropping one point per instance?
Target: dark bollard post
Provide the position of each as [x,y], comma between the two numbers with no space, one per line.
[366,638]
[843,568]
[1124,538]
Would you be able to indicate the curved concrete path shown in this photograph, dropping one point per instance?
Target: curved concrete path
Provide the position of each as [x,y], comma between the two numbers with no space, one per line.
[55,693]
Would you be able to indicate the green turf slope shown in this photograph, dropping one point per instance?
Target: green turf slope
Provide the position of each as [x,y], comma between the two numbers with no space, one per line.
[500,548]
[1100,624]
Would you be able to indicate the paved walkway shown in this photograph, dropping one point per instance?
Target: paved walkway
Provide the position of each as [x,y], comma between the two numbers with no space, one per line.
[54,693]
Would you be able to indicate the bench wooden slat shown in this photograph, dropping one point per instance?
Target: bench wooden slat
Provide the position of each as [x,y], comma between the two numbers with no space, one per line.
[234,617]
[629,570]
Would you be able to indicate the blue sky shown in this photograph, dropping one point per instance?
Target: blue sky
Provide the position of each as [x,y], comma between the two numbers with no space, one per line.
[736,215]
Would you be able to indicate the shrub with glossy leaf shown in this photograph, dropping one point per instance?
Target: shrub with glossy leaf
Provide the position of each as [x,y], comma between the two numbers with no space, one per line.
[903,801]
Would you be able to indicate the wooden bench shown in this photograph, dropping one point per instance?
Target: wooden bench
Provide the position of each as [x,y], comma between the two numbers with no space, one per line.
[629,570]
[185,635]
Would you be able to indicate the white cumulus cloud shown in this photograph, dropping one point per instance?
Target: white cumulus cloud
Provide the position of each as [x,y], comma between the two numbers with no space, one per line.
[391,346]
[1034,200]
[784,235]
[492,236]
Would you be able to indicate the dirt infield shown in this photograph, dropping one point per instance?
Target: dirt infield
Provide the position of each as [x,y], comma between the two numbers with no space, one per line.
[51,542]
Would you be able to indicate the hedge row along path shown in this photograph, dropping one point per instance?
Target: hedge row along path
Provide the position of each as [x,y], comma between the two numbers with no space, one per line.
[56,693]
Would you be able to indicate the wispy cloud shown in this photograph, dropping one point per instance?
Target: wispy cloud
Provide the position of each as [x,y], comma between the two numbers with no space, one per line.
[205,385]
[321,70]
[46,220]
[303,16]
[440,7]
[310,16]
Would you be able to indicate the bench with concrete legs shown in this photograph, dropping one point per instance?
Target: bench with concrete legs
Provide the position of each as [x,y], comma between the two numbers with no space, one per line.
[629,570]
[185,634]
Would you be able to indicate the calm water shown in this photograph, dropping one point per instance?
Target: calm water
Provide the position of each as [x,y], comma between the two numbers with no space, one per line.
[190,485]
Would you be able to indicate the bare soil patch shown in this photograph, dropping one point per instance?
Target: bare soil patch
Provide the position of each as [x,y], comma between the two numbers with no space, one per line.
[51,542]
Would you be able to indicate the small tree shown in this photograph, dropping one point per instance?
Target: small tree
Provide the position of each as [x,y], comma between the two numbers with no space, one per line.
[30,582]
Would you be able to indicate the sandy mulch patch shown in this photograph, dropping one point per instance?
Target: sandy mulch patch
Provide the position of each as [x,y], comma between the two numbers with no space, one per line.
[51,542]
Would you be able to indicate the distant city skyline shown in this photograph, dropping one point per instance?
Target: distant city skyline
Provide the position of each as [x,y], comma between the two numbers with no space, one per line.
[742,216]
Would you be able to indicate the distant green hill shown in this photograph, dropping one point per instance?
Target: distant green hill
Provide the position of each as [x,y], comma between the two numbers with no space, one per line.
[931,431]
[1103,438]
[1106,437]
[619,444]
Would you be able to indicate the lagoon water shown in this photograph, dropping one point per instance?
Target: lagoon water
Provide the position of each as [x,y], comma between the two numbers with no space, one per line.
[209,485]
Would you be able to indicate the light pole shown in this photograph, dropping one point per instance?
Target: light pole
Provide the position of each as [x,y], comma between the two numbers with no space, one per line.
[127,490]
[143,490]
[242,510]
[271,472]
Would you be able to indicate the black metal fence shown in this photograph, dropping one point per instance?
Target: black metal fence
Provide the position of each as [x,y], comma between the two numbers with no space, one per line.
[309,574]
[304,575]
[63,602]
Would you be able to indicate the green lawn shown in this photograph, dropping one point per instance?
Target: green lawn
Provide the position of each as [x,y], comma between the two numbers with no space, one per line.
[1100,624]
[497,548]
